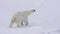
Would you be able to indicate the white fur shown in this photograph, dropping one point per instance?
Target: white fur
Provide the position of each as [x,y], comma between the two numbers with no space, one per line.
[20,18]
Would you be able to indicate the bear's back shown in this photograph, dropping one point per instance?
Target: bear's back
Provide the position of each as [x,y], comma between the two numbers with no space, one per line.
[19,16]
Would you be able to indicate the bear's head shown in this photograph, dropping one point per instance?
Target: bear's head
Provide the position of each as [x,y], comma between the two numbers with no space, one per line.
[28,12]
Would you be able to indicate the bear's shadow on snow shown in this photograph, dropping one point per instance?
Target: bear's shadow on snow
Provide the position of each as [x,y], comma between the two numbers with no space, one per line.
[23,27]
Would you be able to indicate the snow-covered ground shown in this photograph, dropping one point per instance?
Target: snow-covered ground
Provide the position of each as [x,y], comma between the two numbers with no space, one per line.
[46,19]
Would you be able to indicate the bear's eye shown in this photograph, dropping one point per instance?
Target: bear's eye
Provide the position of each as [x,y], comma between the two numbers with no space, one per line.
[34,10]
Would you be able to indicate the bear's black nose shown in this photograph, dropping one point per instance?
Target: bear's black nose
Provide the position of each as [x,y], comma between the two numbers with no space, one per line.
[34,10]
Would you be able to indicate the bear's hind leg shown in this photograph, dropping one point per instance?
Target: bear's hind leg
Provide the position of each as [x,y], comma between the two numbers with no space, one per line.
[18,25]
[12,22]
[22,23]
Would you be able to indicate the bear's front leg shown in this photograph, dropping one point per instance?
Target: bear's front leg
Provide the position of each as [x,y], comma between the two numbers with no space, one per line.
[26,22]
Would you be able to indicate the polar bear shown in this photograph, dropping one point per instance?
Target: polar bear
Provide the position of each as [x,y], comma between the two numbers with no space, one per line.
[21,18]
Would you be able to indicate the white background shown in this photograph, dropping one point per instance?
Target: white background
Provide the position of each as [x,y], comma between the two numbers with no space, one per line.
[46,19]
